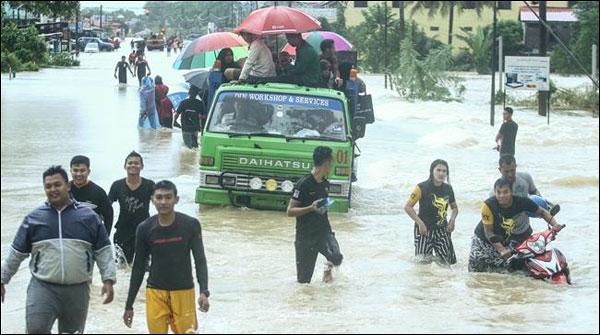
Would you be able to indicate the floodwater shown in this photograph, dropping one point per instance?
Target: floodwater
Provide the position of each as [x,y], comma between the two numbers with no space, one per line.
[48,117]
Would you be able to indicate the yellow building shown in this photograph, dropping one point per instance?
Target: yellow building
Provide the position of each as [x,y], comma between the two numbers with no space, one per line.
[437,26]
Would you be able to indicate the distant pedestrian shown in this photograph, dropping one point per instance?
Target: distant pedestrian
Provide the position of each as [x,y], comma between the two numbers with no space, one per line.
[65,240]
[148,104]
[141,66]
[163,104]
[122,68]
[506,138]
[192,116]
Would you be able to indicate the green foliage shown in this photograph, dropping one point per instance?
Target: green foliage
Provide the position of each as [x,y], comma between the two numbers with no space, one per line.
[368,38]
[479,49]
[24,50]
[62,59]
[512,37]
[426,78]
[580,98]
[9,60]
[585,33]
[30,66]
[25,44]
[325,25]
[65,9]
[339,26]
[462,61]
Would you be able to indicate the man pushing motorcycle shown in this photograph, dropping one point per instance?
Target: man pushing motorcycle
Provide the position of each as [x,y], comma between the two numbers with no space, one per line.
[504,224]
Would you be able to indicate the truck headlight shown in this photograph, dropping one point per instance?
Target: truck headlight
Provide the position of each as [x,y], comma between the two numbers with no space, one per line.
[335,188]
[256,183]
[212,180]
[287,186]
[229,181]
[207,160]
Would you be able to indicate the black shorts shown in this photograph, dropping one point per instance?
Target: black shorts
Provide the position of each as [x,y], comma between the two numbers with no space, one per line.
[308,250]
[125,241]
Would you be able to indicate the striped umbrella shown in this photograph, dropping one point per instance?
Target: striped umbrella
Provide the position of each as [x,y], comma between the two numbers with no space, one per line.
[202,52]
[316,37]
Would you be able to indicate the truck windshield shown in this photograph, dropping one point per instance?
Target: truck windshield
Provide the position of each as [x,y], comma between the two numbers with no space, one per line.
[290,115]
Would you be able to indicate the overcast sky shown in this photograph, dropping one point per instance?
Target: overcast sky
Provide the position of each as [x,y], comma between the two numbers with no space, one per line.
[136,6]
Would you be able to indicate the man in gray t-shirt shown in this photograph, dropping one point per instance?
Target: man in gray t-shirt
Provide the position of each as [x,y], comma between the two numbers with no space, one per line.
[522,182]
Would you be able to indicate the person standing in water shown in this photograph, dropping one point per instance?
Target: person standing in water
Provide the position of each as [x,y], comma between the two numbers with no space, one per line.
[313,231]
[133,194]
[122,68]
[141,65]
[168,239]
[507,135]
[432,229]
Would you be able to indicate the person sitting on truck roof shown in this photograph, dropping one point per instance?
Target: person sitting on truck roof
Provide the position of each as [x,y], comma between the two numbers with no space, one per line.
[328,53]
[259,65]
[284,63]
[307,70]
[230,68]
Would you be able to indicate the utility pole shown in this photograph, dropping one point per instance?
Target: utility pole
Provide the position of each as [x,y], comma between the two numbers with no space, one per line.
[493,93]
[450,22]
[401,20]
[100,16]
[501,68]
[385,48]
[543,95]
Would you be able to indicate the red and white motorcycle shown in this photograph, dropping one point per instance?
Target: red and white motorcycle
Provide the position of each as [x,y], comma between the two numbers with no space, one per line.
[539,261]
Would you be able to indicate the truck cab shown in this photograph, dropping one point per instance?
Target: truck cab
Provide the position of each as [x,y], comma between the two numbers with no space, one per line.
[258,142]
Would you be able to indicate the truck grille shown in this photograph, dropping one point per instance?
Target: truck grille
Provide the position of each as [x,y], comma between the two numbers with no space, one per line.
[265,165]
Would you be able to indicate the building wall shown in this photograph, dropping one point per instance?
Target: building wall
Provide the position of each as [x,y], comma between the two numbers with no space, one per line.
[464,18]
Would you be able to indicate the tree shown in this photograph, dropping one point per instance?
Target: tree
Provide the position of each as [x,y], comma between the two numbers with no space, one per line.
[426,78]
[339,26]
[66,9]
[584,34]
[447,8]
[479,46]
[368,37]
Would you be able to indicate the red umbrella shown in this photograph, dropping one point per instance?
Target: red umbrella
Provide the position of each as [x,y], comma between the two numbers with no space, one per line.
[214,41]
[278,20]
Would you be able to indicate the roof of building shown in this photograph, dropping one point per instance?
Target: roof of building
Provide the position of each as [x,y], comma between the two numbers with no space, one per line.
[553,14]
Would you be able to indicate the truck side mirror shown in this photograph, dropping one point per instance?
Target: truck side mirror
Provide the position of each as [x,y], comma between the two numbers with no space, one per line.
[358,127]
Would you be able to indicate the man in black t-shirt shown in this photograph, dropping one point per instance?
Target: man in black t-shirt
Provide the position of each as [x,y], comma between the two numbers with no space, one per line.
[122,68]
[192,116]
[140,68]
[133,194]
[313,231]
[506,138]
[503,226]
[167,240]
[86,191]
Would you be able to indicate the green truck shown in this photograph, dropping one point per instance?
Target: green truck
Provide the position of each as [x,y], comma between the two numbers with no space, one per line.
[258,142]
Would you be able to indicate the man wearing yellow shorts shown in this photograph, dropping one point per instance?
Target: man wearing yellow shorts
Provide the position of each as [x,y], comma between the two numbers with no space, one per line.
[167,240]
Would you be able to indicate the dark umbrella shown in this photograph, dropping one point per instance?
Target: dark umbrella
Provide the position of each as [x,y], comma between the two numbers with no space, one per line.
[198,78]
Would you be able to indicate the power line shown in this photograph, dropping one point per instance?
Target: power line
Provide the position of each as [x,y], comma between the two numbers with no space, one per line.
[569,52]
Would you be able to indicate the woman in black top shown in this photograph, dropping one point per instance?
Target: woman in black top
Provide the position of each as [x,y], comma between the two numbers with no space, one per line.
[432,229]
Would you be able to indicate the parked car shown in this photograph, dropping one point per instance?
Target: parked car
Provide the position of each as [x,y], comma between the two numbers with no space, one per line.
[92,47]
[102,46]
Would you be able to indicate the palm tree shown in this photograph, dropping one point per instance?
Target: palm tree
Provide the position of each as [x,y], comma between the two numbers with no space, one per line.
[479,46]
[447,8]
